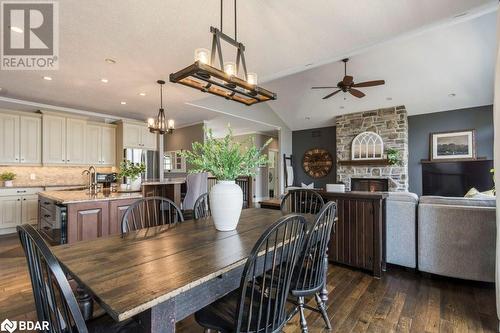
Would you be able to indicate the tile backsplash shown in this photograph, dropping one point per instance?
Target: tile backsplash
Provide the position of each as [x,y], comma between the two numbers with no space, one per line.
[48,176]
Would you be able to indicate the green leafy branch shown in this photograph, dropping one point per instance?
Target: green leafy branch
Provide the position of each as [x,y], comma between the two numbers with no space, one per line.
[226,159]
[131,170]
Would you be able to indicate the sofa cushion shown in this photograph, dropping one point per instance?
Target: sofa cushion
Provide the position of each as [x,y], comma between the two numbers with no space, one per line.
[458,201]
[402,196]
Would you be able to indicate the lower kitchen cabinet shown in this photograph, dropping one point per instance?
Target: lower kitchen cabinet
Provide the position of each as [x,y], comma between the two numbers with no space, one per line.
[18,206]
[117,209]
[87,220]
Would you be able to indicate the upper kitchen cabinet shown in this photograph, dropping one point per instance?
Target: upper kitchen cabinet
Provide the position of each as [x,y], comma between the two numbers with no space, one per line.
[136,135]
[101,144]
[63,140]
[20,139]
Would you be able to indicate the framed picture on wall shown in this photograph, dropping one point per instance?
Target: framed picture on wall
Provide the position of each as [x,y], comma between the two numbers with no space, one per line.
[454,145]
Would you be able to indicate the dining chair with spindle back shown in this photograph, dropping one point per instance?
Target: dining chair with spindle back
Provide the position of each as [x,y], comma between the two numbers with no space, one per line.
[252,308]
[150,212]
[202,207]
[55,302]
[301,201]
[310,274]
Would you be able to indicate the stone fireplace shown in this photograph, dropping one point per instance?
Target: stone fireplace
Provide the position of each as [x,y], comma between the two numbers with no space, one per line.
[392,126]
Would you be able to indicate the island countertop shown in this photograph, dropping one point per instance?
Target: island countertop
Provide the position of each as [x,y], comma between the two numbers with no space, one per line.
[68,197]
[166,181]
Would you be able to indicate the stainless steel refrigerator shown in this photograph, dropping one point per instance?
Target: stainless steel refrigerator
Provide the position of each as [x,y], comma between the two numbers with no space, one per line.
[148,157]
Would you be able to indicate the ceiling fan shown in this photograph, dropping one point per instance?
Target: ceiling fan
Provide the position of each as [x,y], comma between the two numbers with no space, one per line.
[348,85]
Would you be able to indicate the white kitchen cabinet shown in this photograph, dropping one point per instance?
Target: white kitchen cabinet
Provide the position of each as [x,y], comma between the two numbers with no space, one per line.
[138,136]
[148,139]
[54,140]
[30,141]
[9,138]
[10,212]
[75,141]
[18,206]
[108,145]
[29,209]
[101,144]
[64,140]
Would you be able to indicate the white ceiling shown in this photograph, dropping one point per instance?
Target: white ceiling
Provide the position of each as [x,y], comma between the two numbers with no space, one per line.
[420,73]
[219,126]
[150,39]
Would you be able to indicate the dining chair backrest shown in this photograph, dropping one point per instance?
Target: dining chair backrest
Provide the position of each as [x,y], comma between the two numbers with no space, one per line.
[202,207]
[196,184]
[266,277]
[310,275]
[301,201]
[150,212]
[54,299]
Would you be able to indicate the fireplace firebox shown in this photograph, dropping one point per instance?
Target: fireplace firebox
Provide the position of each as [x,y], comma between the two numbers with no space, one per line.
[370,184]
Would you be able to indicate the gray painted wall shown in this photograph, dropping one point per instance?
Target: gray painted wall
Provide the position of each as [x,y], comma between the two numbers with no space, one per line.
[420,126]
[302,141]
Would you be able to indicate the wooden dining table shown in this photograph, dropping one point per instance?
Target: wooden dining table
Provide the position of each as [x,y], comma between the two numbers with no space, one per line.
[161,275]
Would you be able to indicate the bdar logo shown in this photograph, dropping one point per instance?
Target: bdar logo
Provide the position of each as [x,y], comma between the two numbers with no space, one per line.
[8,326]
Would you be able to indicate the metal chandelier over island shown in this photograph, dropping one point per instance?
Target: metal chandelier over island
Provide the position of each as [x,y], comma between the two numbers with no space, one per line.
[160,125]
[223,81]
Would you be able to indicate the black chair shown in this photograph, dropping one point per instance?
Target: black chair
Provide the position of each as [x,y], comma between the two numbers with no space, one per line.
[54,300]
[202,207]
[252,308]
[310,274]
[301,201]
[150,212]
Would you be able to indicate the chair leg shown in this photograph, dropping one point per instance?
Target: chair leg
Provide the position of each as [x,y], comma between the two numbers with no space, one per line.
[322,308]
[303,322]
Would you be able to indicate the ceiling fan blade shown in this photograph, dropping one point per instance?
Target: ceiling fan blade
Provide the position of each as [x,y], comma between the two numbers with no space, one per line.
[347,81]
[323,87]
[369,83]
[333,93]
[356,93]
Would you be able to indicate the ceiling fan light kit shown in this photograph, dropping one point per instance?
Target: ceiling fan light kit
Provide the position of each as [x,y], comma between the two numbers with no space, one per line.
[223,81]
[347,85]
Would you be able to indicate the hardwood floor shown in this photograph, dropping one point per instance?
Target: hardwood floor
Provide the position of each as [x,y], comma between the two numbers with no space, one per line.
[402,301]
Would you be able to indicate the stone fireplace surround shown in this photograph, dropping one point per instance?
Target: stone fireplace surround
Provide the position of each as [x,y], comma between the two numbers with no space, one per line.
[392,125]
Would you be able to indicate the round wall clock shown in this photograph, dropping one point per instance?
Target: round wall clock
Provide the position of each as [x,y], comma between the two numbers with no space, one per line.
[317,162]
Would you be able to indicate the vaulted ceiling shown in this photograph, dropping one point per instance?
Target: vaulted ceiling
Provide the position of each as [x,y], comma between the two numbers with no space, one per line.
[291,45]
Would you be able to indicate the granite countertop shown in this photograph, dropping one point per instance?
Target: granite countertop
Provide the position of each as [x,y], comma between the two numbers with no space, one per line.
[67,197]
[166,181]
[16,185]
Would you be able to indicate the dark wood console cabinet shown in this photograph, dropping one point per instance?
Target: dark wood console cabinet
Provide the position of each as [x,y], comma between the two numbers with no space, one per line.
[359,236]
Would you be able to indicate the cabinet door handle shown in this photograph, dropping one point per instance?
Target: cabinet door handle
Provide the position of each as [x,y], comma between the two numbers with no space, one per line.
[17,159]
[24,199]
[21,191]
[18,199]
[46,203]
[46,215]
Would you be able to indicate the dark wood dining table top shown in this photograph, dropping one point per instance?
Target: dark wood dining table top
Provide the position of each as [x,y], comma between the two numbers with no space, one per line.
[129,275]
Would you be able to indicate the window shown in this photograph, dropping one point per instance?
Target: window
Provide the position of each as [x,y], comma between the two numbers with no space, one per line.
[367,146]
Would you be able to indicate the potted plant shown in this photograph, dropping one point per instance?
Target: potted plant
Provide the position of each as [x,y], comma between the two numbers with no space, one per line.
[393,156]
[226,159]
[7,178]
[131,172]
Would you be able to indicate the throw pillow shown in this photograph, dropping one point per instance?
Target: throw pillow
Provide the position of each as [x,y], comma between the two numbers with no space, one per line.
[310,186]
[472,193]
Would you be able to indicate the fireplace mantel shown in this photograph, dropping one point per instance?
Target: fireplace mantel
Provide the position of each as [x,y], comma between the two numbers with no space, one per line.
[382,162]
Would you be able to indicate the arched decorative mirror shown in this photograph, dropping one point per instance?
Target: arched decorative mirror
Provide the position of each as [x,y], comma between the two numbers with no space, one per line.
[367,146]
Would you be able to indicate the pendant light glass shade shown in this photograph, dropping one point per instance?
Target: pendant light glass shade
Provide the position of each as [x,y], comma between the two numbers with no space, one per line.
[230,68]
[252,78]
[202,55]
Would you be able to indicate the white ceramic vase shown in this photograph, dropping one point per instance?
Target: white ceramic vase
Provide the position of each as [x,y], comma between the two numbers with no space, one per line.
[226,201]
[8,183]
[135,185]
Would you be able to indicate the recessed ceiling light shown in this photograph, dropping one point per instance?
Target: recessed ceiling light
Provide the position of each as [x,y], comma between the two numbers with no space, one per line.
[341,107]
[452,95]
[142,94]
[123,102]
[388,98]
[103,80]
[48,78]
[17,29]
[110,61]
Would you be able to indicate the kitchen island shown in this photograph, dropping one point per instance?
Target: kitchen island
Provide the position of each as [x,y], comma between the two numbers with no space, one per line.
[72,216]
[167,188]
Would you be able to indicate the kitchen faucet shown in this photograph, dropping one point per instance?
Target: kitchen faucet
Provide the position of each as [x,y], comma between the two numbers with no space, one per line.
[92,179]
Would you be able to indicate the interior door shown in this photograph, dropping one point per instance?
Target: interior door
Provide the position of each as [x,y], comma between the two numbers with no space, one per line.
[108,146]
[54,139]
[31,140]
[9,138]
[10,211]
[75,141]
[29,211]
[94,144]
